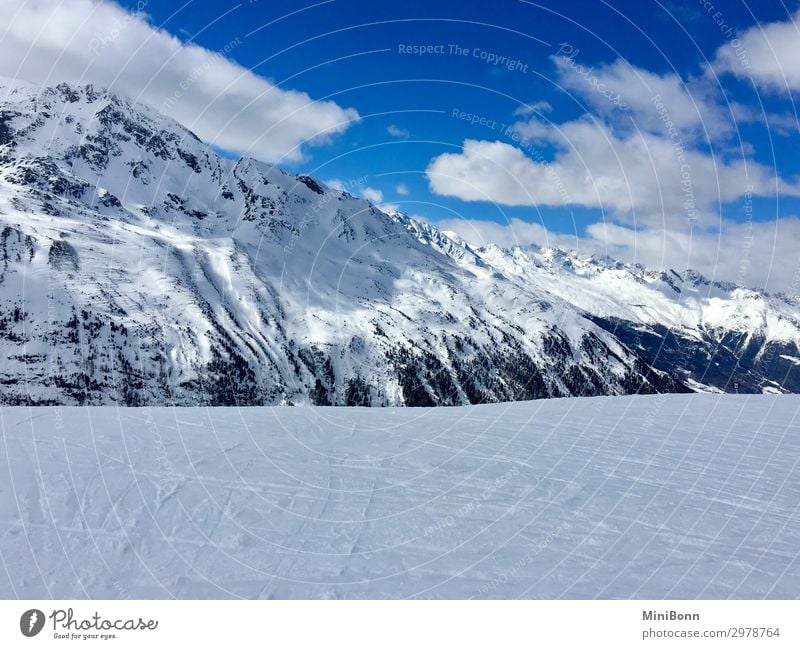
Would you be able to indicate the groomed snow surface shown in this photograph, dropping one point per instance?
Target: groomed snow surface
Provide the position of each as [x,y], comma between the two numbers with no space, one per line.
[679,496]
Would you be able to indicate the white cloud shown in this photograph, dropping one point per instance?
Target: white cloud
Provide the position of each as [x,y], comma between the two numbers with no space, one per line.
[777,123]
[693,107]
[767,54]
[335,183]
[396,131]
[641,177]
[402,190]
[694,110]
[516,232]
[372,195]
[536,107]
[641,155]
[753,254]
[375,196]
[82,41]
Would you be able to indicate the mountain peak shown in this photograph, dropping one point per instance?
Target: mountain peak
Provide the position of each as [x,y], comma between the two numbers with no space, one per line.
[140,267]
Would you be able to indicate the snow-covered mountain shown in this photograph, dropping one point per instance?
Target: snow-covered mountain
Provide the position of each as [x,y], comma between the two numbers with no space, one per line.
[140,267]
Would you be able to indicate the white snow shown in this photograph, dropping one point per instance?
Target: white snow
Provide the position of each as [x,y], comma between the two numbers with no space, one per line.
[678,496]
[195,254]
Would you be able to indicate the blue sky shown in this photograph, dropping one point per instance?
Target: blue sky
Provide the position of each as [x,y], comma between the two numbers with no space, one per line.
[656,131]
[350,52]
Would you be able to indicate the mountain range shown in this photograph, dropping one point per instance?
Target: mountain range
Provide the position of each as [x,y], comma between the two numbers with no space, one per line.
[140,267]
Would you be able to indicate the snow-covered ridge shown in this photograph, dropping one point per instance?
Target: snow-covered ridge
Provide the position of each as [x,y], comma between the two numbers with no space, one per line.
[138,266]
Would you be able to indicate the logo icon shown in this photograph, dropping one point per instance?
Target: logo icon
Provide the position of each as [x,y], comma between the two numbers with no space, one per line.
[31,622]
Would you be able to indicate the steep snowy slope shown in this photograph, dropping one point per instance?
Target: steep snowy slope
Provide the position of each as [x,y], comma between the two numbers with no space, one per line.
[139,267]
[676,496]
[714,334]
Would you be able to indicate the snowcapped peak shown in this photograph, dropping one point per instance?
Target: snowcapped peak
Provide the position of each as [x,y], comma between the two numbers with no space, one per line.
[139,266]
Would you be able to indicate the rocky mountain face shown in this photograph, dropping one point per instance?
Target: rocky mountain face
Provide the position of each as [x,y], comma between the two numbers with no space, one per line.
[140,267]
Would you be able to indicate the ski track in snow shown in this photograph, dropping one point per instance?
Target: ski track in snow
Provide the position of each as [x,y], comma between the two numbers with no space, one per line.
[678,496]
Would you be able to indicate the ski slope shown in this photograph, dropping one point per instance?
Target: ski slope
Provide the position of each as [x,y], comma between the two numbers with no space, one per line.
[679,496]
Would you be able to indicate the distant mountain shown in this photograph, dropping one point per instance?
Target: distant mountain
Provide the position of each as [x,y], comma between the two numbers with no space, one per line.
[139,267]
